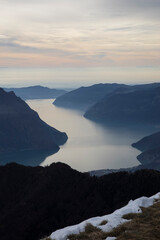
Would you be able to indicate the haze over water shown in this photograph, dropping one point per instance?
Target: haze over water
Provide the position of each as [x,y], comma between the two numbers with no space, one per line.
[90,146]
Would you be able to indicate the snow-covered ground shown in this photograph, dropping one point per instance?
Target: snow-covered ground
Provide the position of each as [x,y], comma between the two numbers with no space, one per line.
[113,220]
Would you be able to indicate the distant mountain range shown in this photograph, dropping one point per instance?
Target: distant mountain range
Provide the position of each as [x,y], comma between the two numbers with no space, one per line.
[36,92]
[116,104]
[122,105]
[21,128]
[127,106]
[38,200]
[84,97]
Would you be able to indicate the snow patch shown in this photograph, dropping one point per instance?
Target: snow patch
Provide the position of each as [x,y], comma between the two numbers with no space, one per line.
[111,238]
[113,220]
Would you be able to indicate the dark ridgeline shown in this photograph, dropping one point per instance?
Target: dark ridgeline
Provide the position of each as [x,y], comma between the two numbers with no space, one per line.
[22,129]
[150,147]
[36,201]
[36,92]
[84,97]
[133,106]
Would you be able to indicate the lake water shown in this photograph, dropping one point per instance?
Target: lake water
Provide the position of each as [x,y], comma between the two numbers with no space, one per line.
[90,146]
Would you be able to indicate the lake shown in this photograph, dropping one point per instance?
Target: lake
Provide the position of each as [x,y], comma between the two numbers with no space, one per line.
[90,146]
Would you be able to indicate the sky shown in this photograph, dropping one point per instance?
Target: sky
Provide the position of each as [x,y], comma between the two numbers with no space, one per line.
[103,40]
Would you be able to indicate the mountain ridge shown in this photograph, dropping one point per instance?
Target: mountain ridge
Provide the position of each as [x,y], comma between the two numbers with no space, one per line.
[36,92]
[38,200]
[140,107]
[84,97]
[22,129]
[150,148]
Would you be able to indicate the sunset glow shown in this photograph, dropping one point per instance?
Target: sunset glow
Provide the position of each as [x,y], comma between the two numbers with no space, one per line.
[80,34]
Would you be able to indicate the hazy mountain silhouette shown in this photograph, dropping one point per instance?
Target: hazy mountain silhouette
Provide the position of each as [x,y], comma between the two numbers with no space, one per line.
[36,92]
[84,97]
[138,105]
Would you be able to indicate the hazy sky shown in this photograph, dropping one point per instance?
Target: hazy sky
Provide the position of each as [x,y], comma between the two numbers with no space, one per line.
[94,34]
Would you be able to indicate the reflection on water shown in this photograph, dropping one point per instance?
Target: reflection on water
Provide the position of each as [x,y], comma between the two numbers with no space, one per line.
[90,145]
[27,158]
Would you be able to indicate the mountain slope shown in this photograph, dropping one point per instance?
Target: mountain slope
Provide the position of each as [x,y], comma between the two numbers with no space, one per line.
[22,129]
[150,147]
[139,107]
[149,142]
[36,201]
[107,226]
[84,97]
[36,92]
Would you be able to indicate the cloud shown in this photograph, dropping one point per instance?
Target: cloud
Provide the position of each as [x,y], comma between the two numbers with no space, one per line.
[71,11]
[11,45]
[89,31]
[139,8]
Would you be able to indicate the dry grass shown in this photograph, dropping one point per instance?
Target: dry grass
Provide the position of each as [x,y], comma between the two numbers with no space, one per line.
[91,233]
[144,226]
[130,216]
[104,222]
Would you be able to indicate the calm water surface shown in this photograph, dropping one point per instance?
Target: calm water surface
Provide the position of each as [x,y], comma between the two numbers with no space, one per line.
[90,146]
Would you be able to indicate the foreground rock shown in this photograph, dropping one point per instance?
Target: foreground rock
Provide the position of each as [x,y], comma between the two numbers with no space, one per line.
[22,129]
[36,201]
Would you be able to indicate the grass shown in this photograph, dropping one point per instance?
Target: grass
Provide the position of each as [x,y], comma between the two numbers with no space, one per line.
[104,222]
[129,216]
[90,232]
[145,225]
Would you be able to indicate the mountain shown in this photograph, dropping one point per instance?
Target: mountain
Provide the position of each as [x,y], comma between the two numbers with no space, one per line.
[151,157]
[150,147]
[36,201]
[144,165]
[134,106]
[116,224]
[149,142]
[36,92]
[22,129]
[84,97]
